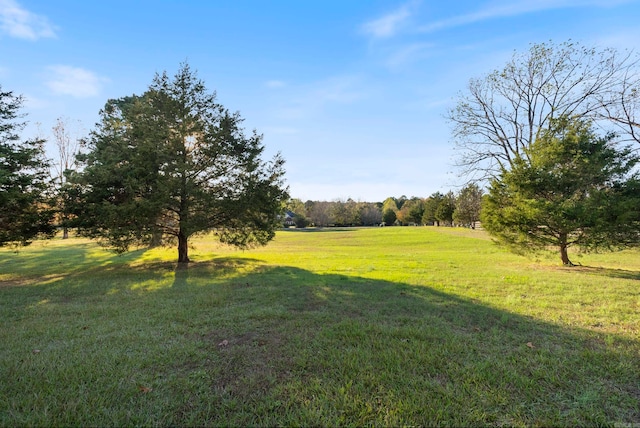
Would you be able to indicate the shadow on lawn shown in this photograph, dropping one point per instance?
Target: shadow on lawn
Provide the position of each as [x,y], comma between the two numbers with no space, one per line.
[349,350]
[286,346]
[67,260]
[612,273]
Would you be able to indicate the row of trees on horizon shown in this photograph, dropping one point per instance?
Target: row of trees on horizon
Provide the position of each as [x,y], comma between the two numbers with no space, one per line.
[439,209]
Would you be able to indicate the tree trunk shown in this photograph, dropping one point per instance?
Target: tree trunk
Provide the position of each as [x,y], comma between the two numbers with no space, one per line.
[156,239]
[183,248]
[65,233]
[564,254]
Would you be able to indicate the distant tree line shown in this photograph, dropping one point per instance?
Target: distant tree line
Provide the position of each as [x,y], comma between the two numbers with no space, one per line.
[459,209]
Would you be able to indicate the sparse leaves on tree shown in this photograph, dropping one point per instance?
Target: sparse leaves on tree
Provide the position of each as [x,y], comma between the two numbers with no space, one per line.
[500,115]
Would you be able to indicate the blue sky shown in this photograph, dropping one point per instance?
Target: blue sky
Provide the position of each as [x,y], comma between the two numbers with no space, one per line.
[352,93]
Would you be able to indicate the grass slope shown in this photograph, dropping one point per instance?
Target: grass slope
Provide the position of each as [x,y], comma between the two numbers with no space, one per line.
[387,326]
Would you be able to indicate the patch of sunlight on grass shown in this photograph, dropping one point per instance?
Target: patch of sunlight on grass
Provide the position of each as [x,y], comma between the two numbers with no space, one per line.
[322,293]
[49,279]
[155,284]
[158,254]
[98,253]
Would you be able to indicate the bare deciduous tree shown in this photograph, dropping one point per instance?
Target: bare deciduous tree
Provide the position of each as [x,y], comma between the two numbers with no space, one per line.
[67,141]
[623,112]
[502,114]
[68,145]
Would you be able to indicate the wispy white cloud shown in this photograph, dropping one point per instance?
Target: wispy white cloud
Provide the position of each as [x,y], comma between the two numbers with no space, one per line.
[514,8]
[74,81]
[306,101]
[340,89]
[388,25]
[18,22]
[275,84]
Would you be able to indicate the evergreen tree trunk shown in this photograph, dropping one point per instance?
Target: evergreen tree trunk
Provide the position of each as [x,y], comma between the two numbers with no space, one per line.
[65,232]
[564,254]
[156,239]
[183,248]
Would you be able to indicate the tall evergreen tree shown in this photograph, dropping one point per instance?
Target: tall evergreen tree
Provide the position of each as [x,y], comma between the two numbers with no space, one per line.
[174,162]
[575,189]
[25,210]
[446,207]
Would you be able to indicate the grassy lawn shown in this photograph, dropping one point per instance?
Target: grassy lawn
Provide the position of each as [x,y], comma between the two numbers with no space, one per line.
[381,326]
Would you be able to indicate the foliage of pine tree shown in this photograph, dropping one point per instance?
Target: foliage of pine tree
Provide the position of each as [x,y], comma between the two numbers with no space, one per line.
[430,206]
[172,163]
[573,188]
[25,210]
[446,207]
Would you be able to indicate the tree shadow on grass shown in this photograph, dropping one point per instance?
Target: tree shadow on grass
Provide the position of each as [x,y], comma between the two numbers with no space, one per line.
[234,342]
[347,350]
[64,260]
[215,269]
[610,272]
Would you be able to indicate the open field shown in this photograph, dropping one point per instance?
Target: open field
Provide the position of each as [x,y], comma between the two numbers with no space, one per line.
[381,326]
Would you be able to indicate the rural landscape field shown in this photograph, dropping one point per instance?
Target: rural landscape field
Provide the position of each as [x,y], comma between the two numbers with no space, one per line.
[399,213]
[356,326]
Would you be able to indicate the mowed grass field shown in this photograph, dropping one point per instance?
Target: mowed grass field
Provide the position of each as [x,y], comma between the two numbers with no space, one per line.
[380,326]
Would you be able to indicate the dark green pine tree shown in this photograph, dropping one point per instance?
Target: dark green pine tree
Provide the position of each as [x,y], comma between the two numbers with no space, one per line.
[430,207]
[25,203]
[446,207]
[572,189]
[173,163]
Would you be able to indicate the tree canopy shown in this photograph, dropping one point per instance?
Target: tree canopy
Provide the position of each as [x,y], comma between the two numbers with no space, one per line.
[569,188]
[468,205]
[446,208]
[25,209]
[499,116]
[174,162]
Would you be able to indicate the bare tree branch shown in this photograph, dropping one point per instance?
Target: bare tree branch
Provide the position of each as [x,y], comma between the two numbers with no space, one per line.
[499,116]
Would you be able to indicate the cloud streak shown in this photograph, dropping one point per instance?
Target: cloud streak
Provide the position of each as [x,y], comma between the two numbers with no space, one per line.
[274,84]
[306,101]
[514,8]
[20,23]
[388,25]
[74,81]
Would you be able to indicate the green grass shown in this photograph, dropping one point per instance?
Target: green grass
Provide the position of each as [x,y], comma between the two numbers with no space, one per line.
[381,326]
